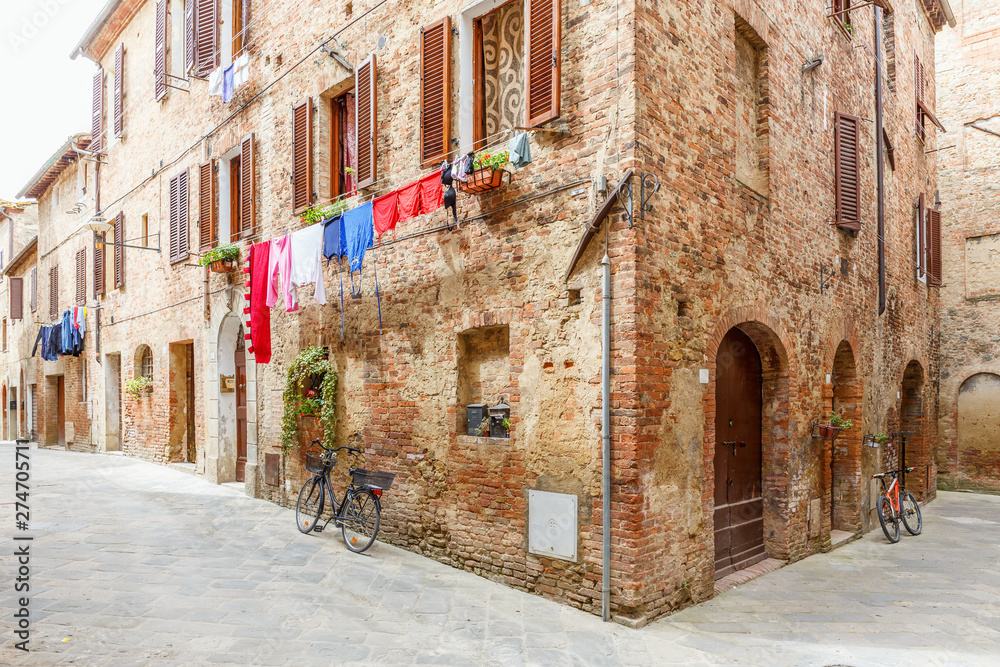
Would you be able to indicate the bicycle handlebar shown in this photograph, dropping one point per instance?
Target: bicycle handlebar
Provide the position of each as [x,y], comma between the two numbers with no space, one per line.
[352,450]
[893,472]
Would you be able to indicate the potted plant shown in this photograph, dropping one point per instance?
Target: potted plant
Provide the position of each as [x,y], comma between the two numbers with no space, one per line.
[138,386]
[876,439]
[221,259]
[488,171]
[483,430]
[506,425]
[322,211]
[829,430]
[310,389]
[311,404]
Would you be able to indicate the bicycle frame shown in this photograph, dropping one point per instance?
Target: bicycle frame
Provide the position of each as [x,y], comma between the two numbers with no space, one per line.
[328,490]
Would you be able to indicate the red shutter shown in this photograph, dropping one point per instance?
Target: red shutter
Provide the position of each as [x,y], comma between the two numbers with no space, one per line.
[119,92]
[160,55]
[206,204]
[16,298]
[366,119]
[97,112]
[207,36]
[934,270]
[54,292]
[99,264]
[190,35]
[544,60]
[81,276]
[435,91]
[302,154]
[247,179]
[119,250]
[846,171]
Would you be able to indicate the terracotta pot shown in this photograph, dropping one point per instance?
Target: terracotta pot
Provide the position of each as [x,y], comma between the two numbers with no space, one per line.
[828,433]
[482,180]
[222,266]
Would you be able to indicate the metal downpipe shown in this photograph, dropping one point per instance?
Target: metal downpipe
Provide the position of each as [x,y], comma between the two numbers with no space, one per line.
[606,437]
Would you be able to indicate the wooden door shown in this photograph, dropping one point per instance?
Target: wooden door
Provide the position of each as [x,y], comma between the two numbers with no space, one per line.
[61,411]
[189,364]
[739,506]
[241,411]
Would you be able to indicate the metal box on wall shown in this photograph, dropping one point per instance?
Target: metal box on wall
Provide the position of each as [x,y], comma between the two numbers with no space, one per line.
[474,416]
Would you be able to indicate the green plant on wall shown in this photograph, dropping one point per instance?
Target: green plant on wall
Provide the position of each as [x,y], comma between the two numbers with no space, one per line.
[138,387]
[227,251]
[837,421]
[321,212]
[310,364]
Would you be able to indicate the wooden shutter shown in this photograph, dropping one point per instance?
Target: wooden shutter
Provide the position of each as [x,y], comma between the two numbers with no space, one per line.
[247,179]
[435,91]
[365,119]
[81,276]
[206,36]
[179,217]
[160,55]
[99,264]
[302,154]
[16,298]
[54,291]
[119,250]
[846,171]
[934,270]
[119,82]
[544,61]
[33,299]
[207,232]
[97,112]
[190,35]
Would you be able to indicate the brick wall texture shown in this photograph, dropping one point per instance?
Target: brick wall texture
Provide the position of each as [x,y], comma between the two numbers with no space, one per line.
[707,98]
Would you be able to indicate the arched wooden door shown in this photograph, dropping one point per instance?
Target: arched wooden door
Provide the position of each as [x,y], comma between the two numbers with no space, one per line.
[739,505]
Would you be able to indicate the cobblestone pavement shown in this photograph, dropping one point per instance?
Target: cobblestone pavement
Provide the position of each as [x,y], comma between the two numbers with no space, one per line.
[137,564]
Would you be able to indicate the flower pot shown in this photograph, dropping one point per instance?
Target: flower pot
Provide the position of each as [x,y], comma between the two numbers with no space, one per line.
[223,266]
[828,433]
[482,180]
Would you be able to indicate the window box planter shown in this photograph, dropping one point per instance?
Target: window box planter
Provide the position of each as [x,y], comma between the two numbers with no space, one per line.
[826,432]
[225,265]
[483,180]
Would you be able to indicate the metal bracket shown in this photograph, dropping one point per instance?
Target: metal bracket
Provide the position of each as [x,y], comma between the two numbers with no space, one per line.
[625,199]
[824,277]
[648,186]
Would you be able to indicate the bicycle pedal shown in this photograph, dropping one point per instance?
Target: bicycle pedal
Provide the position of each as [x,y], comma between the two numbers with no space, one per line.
[318,529]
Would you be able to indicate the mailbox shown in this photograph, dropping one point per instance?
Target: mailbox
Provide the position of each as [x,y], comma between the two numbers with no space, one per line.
[475,414]
[227,383]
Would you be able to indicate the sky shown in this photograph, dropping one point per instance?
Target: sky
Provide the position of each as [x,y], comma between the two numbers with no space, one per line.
[46,95]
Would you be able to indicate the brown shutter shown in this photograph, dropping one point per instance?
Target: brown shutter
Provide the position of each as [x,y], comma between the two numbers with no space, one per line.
[207,36]
[544,60]
[302,154]
[206,204]
[160,55]
[81,276]
[99,264]
[119,79]
[846,171]
[119,250]
[921,237]
[54,291]
[179,217]
[33,299]
[366,118]
[190,35]
[97,112]
[247,179]
[435,91]
[16,298]
[934,270]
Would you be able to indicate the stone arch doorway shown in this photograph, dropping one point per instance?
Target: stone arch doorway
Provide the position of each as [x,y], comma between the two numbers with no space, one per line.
[911,449]
[845,454]
[232,422]
[978,456]
[750,427]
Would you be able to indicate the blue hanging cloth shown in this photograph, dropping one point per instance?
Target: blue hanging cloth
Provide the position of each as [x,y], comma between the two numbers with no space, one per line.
[358,236]
[333,246]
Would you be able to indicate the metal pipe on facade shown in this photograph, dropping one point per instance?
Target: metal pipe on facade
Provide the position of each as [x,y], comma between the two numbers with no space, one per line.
[606,437]
[879,162]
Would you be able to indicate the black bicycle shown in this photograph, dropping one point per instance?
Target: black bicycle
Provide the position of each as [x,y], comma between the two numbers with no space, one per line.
[358,514]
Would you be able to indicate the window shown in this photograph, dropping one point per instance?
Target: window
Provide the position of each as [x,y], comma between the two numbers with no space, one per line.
[178,204]
[302,155]
[498,63]
[918,88]
[920,226]
[435,90]
[16,298]
[54,292]
[751,108]
[81,277]
[847,171]
[205,33]
[99,270]
[144,230]
[239,11]
[233,176]
[842,13]
[145,368]
[366,119]
[343,135]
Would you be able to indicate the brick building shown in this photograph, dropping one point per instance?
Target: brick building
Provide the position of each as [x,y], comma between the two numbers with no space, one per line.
[771,278]
[968,63]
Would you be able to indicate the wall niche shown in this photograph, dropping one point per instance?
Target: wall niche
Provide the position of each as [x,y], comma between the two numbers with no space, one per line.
[483,368]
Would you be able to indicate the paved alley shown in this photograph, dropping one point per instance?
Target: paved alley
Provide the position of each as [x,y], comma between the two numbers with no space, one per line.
[137,564]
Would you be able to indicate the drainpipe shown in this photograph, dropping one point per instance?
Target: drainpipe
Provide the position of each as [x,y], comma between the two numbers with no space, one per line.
[606,437]
[879,166]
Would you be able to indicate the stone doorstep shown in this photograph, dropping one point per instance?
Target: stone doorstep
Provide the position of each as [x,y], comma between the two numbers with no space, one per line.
[183,467]
[839,538]
[766,566]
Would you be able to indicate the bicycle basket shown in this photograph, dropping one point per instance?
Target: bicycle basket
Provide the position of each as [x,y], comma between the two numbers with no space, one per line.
[377,479]
[314,464]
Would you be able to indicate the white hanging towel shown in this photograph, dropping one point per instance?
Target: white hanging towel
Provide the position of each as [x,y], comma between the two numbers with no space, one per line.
[242,73]
[307,254]
[215,82]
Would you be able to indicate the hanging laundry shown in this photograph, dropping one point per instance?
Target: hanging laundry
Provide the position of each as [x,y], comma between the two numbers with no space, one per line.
[358,235]
[450,197]
[55,342]
[242,72]
[431,194]
[280,262]
[459,169]
[66,331]
[386,212]
[227,82]
[260,314]
[307,261]
[520,150]
[215,82]
[333,243]
[470,165]
[409,201]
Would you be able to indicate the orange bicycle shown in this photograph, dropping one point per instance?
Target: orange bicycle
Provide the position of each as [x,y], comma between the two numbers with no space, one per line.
[897,504]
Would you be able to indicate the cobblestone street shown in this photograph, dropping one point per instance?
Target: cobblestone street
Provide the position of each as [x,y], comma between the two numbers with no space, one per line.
[134,563]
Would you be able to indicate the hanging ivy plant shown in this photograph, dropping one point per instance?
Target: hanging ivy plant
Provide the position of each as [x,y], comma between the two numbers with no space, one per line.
[310,365]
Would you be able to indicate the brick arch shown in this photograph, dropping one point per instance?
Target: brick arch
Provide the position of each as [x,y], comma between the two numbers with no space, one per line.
[844,333]
[947,455]
[913,421]
[842,458]
[760,315]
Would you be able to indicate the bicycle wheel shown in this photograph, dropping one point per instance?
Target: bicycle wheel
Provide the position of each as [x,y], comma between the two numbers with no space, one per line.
[361,518]
[310,505]
[909,509]
[887,517]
